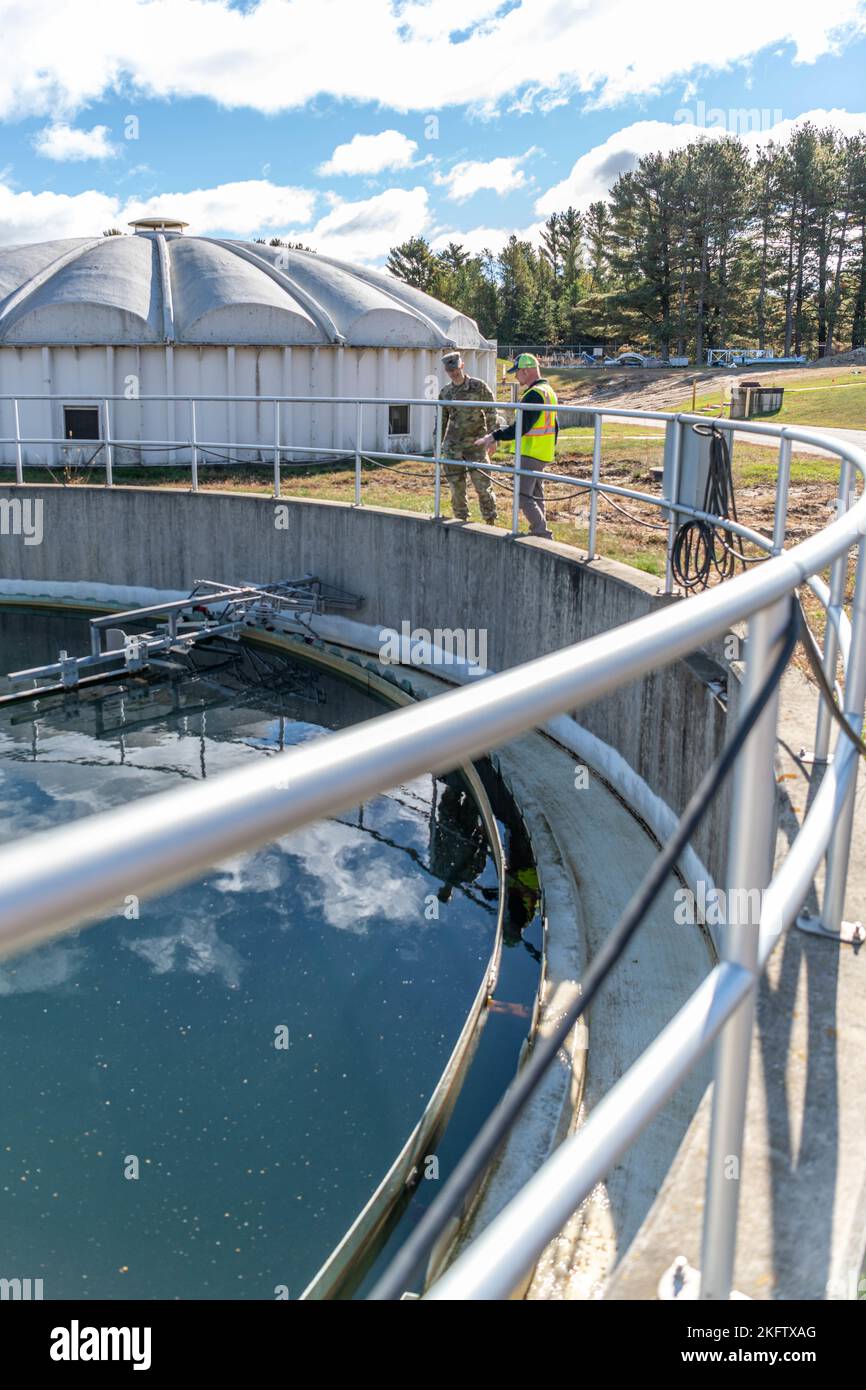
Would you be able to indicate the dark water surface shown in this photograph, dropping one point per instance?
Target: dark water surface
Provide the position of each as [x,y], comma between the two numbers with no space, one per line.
[148,1044]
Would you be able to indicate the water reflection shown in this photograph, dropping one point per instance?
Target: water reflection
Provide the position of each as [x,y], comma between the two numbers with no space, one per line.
[152,1033]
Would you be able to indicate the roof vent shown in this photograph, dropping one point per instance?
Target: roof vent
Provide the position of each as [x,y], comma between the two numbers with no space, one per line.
[142,225]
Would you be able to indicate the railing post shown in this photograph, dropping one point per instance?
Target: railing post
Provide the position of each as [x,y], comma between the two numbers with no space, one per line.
[839,851]
[109,455]
[193,445]
[276,448]
[515,511]
[19,462]
[677,427]
[437,480]
[359,425]
[783,479]
[750,854]
[838,578]
[593,493]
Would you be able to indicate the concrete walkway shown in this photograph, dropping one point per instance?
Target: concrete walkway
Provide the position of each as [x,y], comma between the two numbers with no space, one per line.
[592,852]
[802,1229]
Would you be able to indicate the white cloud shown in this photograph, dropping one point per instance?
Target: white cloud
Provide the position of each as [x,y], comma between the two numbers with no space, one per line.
[595,172]
[479,239]
[28,216]
[849,122]
[279,54]
[65,142]
[365,230]
[503,175]
[370,154]
[361,230]
[237,209]
[241,209]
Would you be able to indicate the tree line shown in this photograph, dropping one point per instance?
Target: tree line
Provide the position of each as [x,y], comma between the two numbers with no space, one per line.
[699,248]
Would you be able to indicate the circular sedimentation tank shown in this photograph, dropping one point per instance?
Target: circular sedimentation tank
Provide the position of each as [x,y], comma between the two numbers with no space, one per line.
[210,1084]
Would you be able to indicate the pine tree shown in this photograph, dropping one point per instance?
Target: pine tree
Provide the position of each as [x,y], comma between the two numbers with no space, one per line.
[414,262]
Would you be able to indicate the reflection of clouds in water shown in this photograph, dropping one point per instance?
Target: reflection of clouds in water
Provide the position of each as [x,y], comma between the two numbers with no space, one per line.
[58,794]
[356,883]
[195,947]
[407,808]
[261,872]
[45,969]
[354,886]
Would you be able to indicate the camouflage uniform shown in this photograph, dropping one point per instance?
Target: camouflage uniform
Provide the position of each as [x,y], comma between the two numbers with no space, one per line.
[459,429]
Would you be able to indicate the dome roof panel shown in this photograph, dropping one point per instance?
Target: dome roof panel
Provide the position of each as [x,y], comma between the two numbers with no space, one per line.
[254,323]
[152,287]
[238,301]
[93,292]
[389,325]
[19,264]
[347,299]
[413,301]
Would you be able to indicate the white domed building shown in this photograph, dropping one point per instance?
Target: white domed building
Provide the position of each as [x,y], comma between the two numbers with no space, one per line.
[158,313]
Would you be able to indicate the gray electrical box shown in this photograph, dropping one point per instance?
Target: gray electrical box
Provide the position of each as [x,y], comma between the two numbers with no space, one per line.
[694,468]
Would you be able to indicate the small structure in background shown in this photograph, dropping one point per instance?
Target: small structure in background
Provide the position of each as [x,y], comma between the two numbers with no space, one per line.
[747,357]
[750,398]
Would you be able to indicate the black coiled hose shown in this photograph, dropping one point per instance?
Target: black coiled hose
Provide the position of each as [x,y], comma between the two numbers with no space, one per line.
[700,548]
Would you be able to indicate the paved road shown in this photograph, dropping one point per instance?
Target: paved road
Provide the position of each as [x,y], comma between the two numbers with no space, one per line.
[765,441]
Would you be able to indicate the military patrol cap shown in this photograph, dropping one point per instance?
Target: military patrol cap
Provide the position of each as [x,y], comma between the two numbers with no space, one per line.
[524,359]
[451,359]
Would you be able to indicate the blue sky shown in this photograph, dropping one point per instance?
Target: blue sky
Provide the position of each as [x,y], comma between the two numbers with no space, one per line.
[353,124]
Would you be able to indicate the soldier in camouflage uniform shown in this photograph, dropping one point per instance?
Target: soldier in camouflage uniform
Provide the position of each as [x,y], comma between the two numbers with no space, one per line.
[460,428]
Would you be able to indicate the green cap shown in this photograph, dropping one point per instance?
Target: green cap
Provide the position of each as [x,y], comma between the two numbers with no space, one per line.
[525,359]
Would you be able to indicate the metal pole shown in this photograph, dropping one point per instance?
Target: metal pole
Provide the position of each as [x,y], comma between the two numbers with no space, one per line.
[19,473]
[276,448]
[855,696]
[192,445]
[515,511]
[750,853]
[109,459]
[838,577]
[593,496]
[677,427]
[359,419]
[783,479]
[437,482]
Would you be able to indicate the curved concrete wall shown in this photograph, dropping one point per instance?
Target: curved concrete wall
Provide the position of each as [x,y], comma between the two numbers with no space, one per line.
[529,597]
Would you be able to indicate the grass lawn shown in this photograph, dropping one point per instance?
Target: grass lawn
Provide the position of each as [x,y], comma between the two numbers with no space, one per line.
[628,456]
[839,400]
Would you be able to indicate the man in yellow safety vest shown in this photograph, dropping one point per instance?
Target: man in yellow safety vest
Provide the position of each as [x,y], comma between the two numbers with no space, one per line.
[538,433]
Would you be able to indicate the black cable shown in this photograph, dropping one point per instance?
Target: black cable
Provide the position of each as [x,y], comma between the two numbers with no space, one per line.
[399,1275]
[651,525]
[814,655]
[699,547]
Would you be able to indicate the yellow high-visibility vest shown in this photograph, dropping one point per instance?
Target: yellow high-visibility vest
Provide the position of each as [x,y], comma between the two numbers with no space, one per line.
[539,442]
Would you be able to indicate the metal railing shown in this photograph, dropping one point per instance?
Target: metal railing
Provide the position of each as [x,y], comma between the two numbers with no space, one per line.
[54,881]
